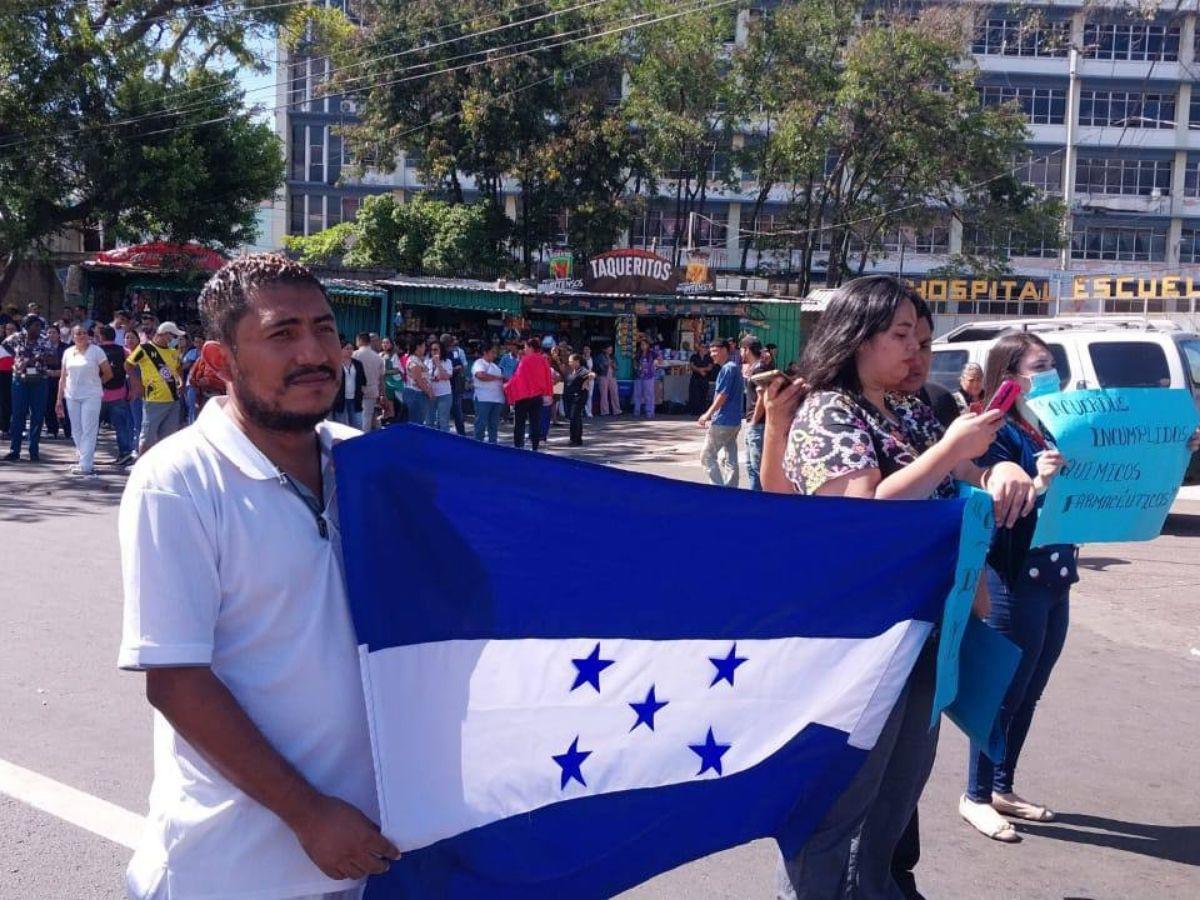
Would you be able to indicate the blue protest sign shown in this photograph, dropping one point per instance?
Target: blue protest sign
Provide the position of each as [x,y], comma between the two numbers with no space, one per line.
[1126,454]
[987,662]
[973,540]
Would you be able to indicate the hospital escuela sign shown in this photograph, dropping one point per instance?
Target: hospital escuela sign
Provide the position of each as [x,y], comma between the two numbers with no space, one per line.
[629,271]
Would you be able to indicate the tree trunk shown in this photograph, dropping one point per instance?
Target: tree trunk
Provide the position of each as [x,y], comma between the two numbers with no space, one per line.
[8,274]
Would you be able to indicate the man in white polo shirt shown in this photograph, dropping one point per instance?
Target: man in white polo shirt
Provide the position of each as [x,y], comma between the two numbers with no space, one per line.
[235,607]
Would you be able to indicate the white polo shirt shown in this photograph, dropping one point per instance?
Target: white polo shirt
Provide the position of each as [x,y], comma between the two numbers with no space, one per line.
[224,565]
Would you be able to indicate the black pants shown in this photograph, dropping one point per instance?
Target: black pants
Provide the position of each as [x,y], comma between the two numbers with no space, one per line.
[53,422]
[528,411]
[905,858]
[5,400]
[575,414]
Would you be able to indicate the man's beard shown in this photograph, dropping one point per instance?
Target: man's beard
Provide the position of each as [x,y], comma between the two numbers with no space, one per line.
[268,415]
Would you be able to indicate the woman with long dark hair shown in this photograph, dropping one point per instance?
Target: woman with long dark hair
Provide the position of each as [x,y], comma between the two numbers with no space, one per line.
[857,435]
[441,372]
[417,390]
[1029,589]
[644,375]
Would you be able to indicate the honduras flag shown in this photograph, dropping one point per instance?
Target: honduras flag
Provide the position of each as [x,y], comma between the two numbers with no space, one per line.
[578,677]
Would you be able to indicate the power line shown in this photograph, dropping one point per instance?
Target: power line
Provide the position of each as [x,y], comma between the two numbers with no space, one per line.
[702,7]
[192,106]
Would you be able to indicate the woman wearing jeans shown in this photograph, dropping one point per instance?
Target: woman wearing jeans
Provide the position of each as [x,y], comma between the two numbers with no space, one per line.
[854,435]
[1029,590]
[441,371]
[85,368]
[489,395]
[417,390]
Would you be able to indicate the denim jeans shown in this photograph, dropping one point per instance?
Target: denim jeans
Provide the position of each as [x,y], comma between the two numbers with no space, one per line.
[1035,618]
[417,404]
[643,396]
[721,437]
[28,402]
[438,414]
[121,417]
[487,419]
[349,417]
[754,445]
[136,408]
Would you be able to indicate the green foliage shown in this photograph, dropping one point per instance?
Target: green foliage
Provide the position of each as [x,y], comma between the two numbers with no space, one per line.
[120,115]
[425,236]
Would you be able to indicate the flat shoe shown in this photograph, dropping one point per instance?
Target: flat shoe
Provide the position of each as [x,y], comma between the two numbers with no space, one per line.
[987,821]
[1021,809]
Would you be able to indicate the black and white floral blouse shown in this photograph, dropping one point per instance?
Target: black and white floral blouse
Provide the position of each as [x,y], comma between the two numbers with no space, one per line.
[836,433]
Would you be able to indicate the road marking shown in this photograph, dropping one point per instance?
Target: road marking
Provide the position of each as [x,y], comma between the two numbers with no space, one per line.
[112,822]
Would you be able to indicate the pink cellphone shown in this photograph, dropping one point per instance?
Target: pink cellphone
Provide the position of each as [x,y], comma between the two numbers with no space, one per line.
[1006,395]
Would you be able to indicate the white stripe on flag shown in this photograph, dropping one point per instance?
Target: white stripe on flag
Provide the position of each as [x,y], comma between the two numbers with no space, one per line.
[465,732]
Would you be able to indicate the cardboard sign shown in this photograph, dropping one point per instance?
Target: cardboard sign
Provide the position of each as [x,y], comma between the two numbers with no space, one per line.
[973,542]
[1126,454]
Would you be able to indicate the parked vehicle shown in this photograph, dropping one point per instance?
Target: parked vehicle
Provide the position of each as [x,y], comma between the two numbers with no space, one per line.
[1089,352]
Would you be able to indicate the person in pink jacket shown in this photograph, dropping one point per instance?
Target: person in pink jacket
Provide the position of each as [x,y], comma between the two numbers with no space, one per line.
[527,390]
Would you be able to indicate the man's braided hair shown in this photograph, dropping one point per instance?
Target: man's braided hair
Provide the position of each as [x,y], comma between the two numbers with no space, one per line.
[227,295]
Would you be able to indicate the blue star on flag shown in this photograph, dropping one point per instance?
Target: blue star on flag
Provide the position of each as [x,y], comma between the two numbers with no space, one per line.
[646,709]
[710,753]
[589,669]
[571,763]
[726,666]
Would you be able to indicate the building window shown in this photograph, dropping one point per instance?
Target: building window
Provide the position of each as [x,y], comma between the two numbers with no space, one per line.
[1007,242]
[316,153]
[296,214]
[413,158]
[1191,178]
[1136,41]
[931,239]
[1189,246]
[349,208]
[1041,170]
[316,213]
[335,158]
[1126,109]
[1014,37]
[1041,106]
[1139,177]
[333,211]
[298,147]
[711,228]
[1119,243]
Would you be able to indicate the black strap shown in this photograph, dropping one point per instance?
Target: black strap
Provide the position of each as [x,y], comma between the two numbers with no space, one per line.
[164,370]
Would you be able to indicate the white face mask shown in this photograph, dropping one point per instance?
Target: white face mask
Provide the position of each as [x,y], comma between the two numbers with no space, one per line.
[1043,383]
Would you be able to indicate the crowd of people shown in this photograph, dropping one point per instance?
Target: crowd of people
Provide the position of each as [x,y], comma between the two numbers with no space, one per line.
[74,376]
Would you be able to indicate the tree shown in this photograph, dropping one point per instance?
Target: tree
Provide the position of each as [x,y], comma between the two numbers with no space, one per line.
[680,97]
[880,131]
[425,236]
[119,116]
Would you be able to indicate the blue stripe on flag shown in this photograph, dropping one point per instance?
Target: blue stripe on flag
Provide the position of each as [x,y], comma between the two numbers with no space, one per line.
[598,846]
[446,538]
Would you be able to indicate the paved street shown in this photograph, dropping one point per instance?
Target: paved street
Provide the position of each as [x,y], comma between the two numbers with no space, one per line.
[1114,748]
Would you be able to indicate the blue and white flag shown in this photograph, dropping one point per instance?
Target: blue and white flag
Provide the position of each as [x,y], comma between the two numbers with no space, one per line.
[578,677]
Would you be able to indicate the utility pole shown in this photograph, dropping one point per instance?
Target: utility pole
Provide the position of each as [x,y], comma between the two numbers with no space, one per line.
[1069,158]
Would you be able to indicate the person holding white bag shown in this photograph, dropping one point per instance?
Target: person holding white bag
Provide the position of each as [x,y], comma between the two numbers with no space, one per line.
[84,369]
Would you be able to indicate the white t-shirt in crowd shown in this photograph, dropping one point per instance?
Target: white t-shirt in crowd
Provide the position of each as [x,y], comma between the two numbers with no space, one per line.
[82,371]
[440,388]
[349,380]
[224,566]
[372,364]
[488,391]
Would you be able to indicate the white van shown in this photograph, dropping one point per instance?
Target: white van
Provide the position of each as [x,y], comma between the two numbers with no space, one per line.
[1089,352]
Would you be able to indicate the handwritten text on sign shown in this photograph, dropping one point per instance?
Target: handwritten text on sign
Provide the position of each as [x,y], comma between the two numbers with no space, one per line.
[1126,454]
